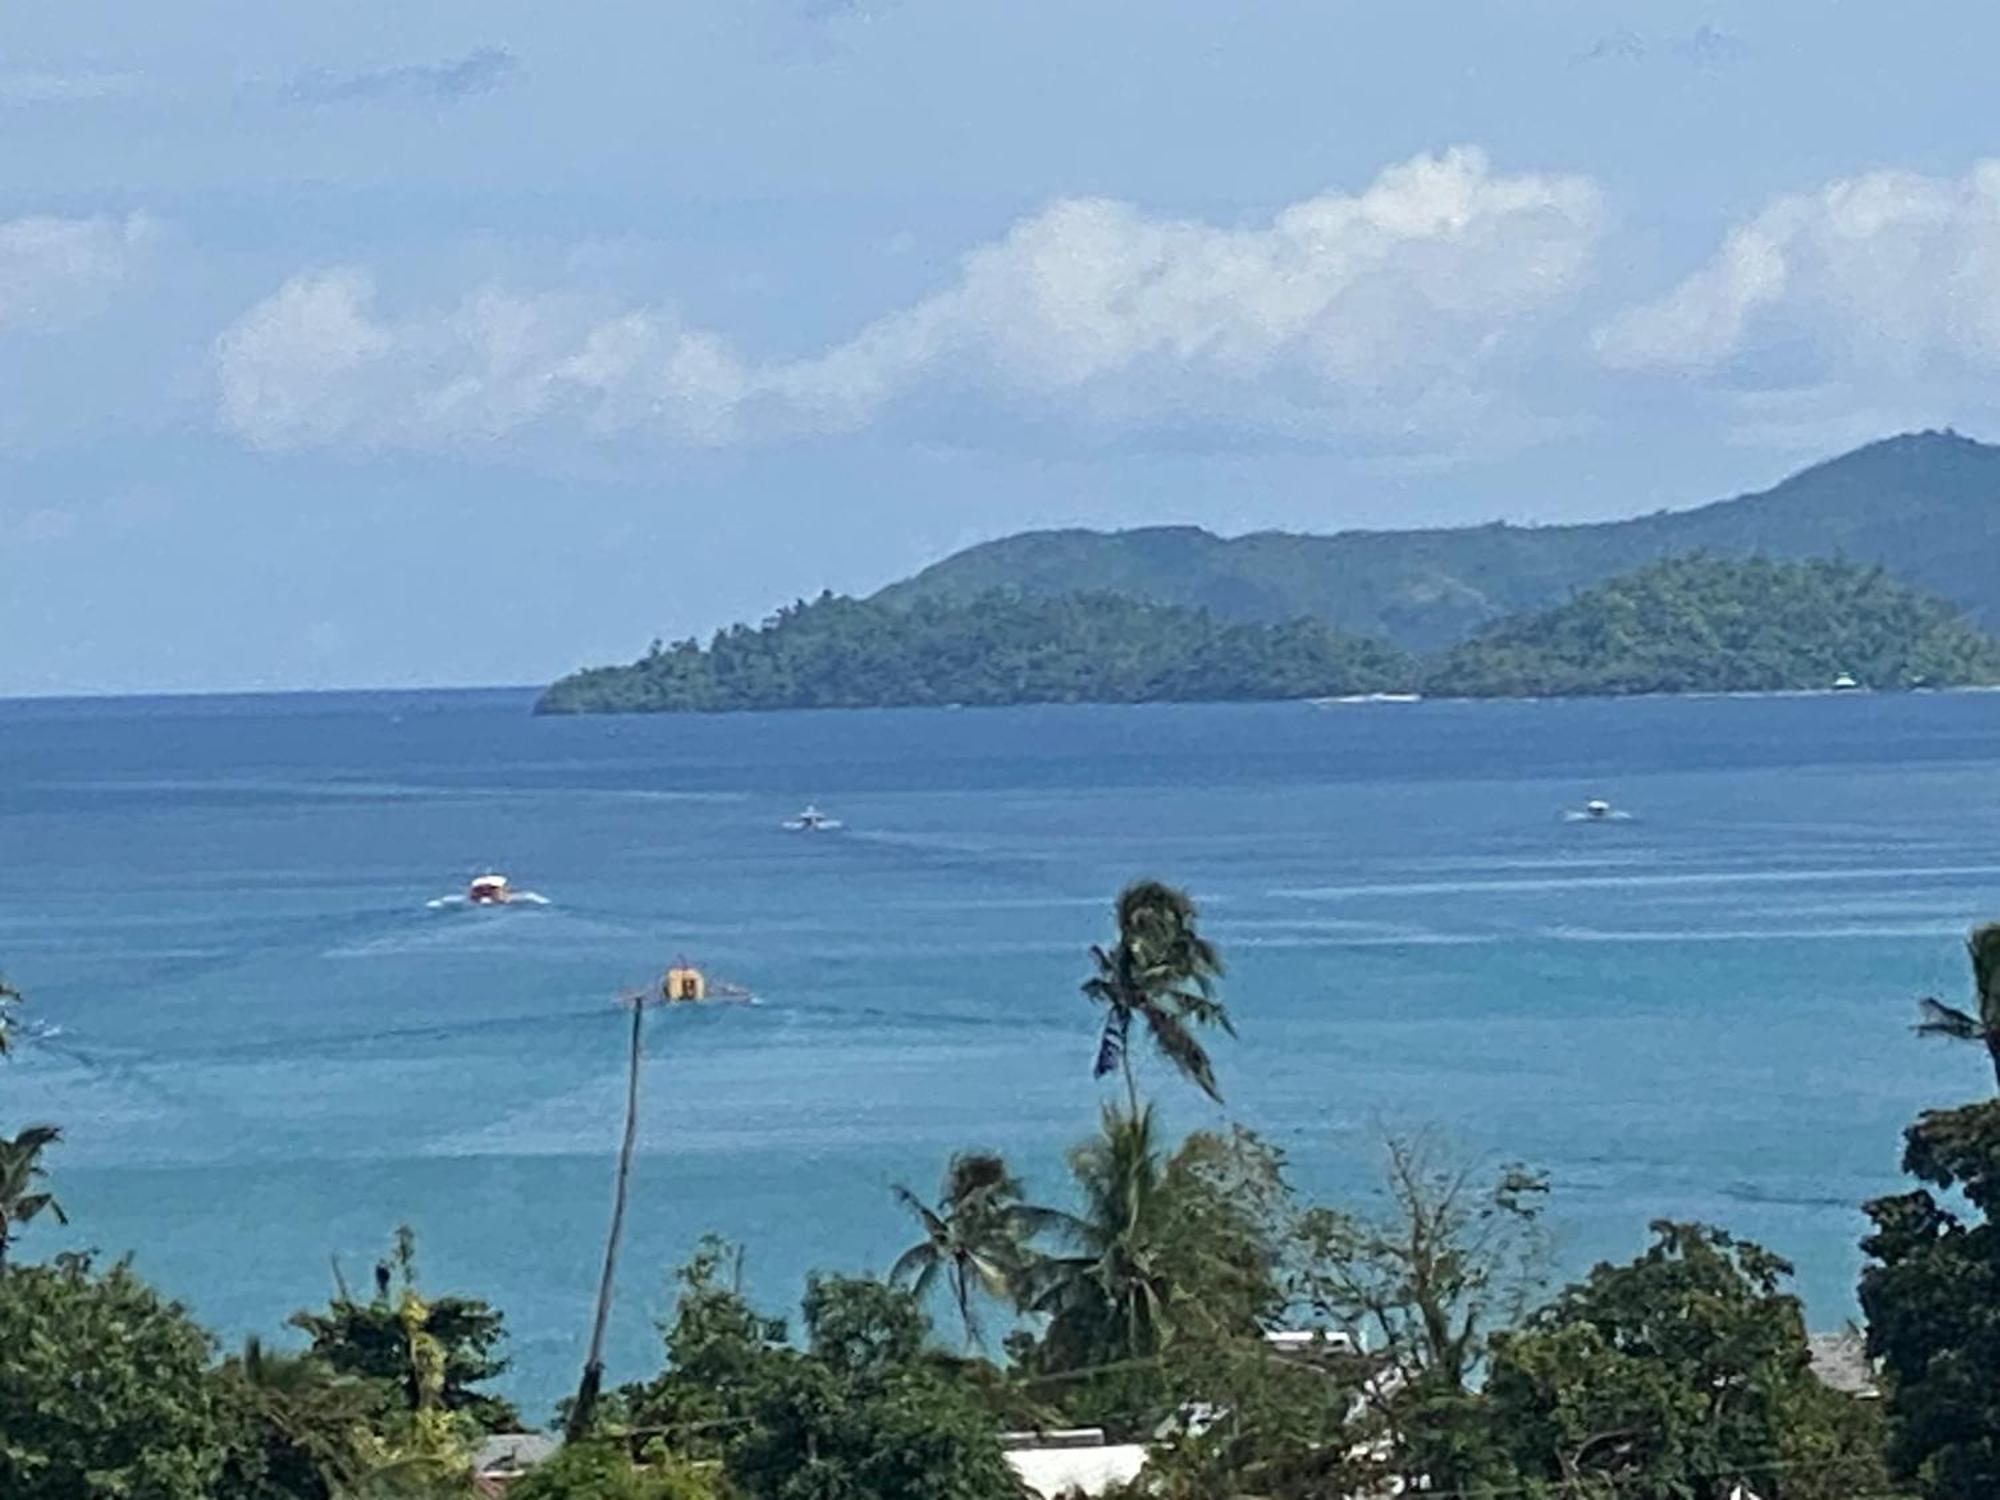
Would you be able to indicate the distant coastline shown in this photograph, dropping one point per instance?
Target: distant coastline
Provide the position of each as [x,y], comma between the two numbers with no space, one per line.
[1683,626]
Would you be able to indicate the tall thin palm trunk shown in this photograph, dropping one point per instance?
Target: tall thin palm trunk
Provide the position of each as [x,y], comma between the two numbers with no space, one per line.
[584,1410]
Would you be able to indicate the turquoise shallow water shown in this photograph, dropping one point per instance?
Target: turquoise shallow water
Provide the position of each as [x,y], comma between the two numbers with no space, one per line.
[271,1051]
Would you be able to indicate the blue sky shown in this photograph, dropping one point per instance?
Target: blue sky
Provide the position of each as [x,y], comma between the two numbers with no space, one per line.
[468,341]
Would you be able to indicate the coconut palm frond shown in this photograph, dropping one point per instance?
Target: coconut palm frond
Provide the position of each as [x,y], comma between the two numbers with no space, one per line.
[1111,1043]
[911,1262]
[35,1204]
[933,1226]
[1201,1008]
[33,1139]
[1179,1046]
[1939,1019]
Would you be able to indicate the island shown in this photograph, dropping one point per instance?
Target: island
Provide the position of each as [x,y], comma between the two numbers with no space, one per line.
[998,648]
[1717,625]
[1921,505]
[1684,625]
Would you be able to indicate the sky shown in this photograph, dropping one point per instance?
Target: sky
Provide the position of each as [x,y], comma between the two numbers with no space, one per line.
[466,342]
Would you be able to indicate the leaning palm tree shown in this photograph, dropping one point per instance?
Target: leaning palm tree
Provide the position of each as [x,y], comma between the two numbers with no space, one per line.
[976,1237]
[1982,1024]
[1108,1298]
[22,1199]
[1161,971]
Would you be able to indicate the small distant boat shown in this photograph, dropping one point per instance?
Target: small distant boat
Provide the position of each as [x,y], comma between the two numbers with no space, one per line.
[488,890]
[1596,810]
[491,890]
[1368,698]
[812,820]
[1845,683]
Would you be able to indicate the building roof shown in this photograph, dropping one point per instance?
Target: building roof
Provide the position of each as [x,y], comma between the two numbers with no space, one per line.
[1054,1472]
[1841,1362]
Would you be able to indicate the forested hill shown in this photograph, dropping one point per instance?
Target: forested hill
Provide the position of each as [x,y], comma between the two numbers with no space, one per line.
[1717,626]
[1684,625]
[848,653]
[1926,506]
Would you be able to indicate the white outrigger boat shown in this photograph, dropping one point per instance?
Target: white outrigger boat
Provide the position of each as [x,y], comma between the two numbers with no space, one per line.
[812,820]
[492,890]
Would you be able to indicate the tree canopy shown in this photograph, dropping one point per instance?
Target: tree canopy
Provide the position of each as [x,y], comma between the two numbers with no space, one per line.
[104,1388]
[1706,624]
[1091,648]
[1682,625]
[1931,1291]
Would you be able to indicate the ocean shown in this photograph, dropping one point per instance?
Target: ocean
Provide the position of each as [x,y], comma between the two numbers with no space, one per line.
[267,1049]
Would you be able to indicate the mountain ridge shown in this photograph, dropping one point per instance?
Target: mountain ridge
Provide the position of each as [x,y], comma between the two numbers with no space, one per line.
[1924,505]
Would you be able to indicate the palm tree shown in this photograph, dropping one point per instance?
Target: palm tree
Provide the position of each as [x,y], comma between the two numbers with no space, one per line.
[1162,971]
[1109,1298]
[1983,1024]
[975,1237]
[21,1200]
[314,1421]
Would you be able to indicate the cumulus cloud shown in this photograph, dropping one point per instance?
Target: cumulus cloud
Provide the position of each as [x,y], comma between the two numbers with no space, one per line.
[480,71]
[1887,277]
[54,270]
[1390,310]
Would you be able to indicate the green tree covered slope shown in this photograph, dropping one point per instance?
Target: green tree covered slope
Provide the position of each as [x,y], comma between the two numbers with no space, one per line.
[848,653]
[1926,506]
[1684,625]
[1719,626]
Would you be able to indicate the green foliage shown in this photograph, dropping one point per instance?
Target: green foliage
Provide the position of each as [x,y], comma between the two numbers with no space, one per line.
[373,1341]
[1167,1258]
[863,1415]
[1931,1292]
[1702,624]
[716,1350]
[1094,648]
[295,1429]
[866,1410]
[605,1471]
[104,1389]
[23,1199]
[1684,624]
[1677,1375]
[1920,505]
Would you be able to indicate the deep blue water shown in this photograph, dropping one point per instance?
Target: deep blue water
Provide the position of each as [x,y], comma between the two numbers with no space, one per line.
[272,1052]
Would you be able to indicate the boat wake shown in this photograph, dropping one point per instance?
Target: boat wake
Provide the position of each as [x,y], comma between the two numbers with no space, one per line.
[1597,810]
[514,898]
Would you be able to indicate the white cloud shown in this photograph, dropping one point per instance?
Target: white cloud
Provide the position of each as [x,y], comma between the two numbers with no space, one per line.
[54,271]
[1887,279]
[1390,311]
[318,364]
